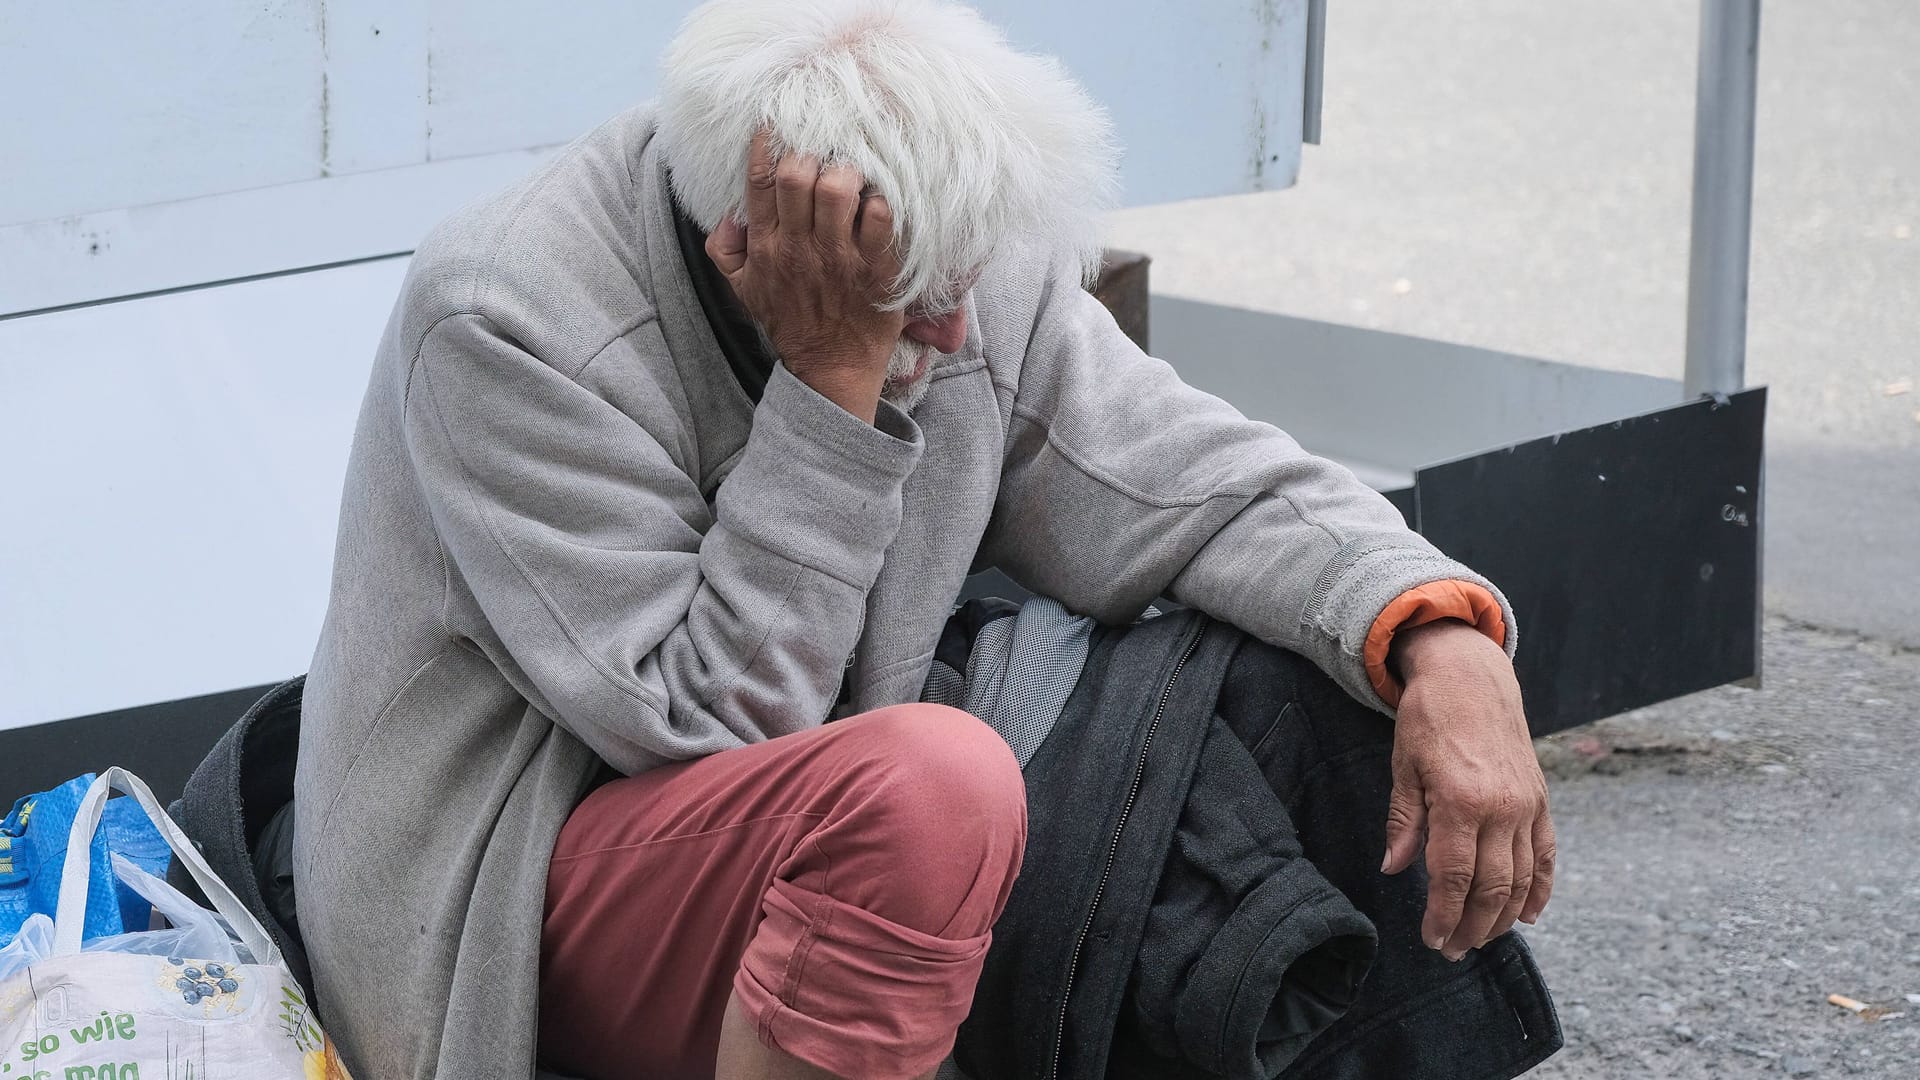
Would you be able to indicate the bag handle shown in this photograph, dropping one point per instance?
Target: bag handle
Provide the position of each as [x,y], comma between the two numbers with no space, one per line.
[70,917]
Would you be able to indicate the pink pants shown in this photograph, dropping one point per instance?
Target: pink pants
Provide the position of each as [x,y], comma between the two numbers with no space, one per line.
[842,881]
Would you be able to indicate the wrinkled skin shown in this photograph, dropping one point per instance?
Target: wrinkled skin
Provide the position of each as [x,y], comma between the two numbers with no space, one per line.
[813,264]
[1468,793]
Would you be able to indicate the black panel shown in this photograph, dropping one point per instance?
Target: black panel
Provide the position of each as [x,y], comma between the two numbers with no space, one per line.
[1631,552]
[1402,500]
[159,743]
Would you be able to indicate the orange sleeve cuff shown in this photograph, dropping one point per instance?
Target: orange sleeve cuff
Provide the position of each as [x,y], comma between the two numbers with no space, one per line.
[1432,602]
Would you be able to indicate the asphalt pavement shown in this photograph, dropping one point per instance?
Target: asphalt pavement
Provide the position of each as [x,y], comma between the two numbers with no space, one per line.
[1731,860]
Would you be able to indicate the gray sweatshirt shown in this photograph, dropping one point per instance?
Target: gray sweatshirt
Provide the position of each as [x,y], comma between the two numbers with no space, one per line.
[540,569]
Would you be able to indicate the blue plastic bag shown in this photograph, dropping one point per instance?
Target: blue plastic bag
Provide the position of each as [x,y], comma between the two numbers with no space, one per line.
[33,847]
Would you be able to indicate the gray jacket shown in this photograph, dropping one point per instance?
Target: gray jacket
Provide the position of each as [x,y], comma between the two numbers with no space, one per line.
[539,568]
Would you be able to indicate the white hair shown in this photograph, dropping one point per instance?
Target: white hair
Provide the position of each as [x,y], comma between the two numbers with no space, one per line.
[971,142]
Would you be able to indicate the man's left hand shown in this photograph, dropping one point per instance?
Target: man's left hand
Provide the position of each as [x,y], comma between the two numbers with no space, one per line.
[1466,781]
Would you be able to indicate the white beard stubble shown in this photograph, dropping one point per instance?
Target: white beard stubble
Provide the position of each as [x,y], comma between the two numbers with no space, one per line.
[901,389]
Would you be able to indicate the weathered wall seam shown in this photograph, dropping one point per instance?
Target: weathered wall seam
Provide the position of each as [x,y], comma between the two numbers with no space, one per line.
[326,96]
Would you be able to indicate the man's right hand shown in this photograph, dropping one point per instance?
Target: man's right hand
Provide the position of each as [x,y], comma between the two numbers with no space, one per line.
[812,265]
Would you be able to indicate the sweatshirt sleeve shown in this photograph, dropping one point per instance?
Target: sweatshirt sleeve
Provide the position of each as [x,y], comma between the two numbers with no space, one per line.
[1122,483]
[1436,601]
[602,584]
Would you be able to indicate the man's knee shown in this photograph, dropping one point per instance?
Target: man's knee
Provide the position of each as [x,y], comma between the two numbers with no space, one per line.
[945,770]
[947,802]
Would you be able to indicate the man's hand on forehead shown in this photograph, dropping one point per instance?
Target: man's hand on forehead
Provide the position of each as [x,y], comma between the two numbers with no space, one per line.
[812,264]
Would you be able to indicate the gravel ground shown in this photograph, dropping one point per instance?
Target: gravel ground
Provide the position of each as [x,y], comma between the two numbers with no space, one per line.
[1729,860]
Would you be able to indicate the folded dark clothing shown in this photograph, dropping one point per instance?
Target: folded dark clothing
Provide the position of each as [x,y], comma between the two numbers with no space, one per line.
[1202,896]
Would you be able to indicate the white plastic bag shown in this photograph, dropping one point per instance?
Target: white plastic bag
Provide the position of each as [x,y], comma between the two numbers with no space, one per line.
[119,1011]
[196,931]
[34,943]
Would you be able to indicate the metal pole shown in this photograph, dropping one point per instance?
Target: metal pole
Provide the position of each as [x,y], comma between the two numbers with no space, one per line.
[1722,197]
[1316,71]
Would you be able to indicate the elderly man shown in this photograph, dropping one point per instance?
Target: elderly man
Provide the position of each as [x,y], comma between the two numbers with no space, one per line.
[683,447]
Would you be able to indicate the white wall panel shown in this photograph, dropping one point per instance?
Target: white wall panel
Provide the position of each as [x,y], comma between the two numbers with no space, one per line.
[376,85]
[508,73]
[173,473]
[111,111]
[114,103]
[119,253]
[1207,97]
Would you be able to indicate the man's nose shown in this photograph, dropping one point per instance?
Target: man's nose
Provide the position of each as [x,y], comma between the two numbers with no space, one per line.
[945,333]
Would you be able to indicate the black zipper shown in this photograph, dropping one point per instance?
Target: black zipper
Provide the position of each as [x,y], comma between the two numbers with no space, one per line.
[1113,852]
